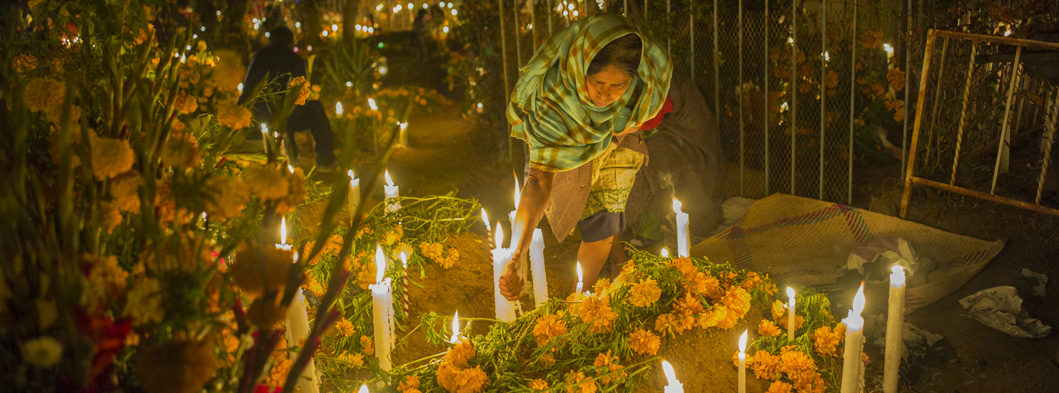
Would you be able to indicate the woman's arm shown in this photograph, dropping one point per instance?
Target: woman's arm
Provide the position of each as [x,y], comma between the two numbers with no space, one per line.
[533,201]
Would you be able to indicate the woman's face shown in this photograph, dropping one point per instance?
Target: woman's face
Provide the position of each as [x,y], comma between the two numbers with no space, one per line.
[607,86]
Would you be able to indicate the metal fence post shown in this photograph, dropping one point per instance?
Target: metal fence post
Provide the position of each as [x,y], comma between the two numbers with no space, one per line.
[716,68]
[1004,130]
[741,97]
[794,95]
[768,101]
[518,37]
[852,103]
[823,88]
[963,113]
[908,95]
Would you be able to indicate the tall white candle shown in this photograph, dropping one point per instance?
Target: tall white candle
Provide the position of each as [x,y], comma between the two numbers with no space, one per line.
[338,108]
[505,309]
[673,385]
[540,279]
[894,328]
[580,276]
[353,198]
[790,314]
[363,389]
[392,204]
[683,241]
[264,137]
[742,363]
[298,330]
[382,311]
[851,362]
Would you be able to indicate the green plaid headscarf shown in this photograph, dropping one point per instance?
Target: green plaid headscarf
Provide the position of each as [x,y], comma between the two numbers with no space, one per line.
[550,108]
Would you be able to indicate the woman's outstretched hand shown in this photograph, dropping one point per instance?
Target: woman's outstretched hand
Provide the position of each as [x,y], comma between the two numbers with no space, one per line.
[511,283]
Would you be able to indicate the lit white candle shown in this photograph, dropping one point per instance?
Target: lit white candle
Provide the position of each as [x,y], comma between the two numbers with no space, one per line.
[363,389]
[488,228]
[851,362]
[353,197]
[455,338]
[790,314]
[894,329]
[282,245]
[338,108]
[540,279]
[580,284]
[371,104]
[392,204]
[264,137]
[673,385]
[683,242]
[382,311]
[742,363]
[505,309]
[298,320]
[664,253]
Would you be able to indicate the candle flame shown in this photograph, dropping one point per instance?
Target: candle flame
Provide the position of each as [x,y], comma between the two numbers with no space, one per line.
[858,301]
[283,231]
[485,219]
[264,129]
[404,259]
[455,328]
[371,104]
[517,194]
[742,342]
[790,292]
[671,376]
[389,181]
[579,273]
[676,206]
[380,264]
[403,125]
[363,389]
[897,276]
[338,108]
[295,259]
[290,168]
[889,49]
[351,176]
[665,252]
[498,237]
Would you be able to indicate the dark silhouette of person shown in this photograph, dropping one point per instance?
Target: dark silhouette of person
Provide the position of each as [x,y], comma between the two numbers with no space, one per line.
[419,35]
[278,60]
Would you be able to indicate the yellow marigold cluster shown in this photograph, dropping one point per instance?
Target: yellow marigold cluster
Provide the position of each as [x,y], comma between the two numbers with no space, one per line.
[105,281]
[332,245]
[277,374]
[768,328]
[608,364]
[871,38]
[393,236]
[577,382]
[435,251]
[300,85]
[409,385]
[538,384]
[548,327]
[185,104]
[44,93]
[780,387]
[110,157]
[779,309]
[595,310]
[225,197]
[110,216]
[181,151]
[737,300]
[266,181]
[644,293]
[145,302]
[368,345]
[345,327]
[455,373]
[124,190]
[352,361]
[24,63]
[233,116]
[644,342]
[825,340]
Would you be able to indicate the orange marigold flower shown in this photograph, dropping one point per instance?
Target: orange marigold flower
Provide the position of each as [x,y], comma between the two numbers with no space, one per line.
[410,382]
[596,310]
[538,384]
[896,78]
[644,342]
[233,116]
[548,327]
[611,364]
[225,197]
[185,104]
[645,293]
[779,309]
[471,380]
[302,87]
[798,366]
[547,361]
[779,387]
[368,344]
[766,365]
[768,328]
[345,327]
[110,157]
[713,315]
[665,324]
[266,182]
[576,383]
[43,93]
[461,354]
[688,304]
